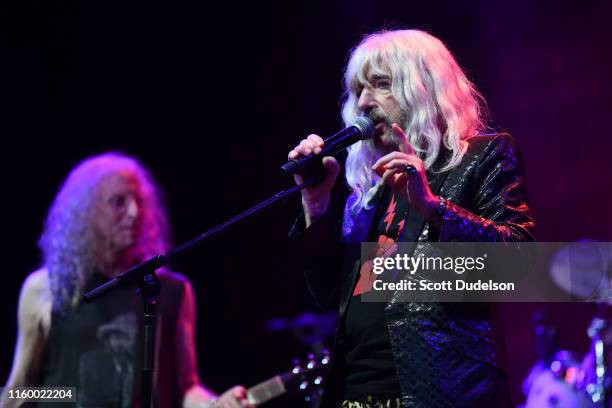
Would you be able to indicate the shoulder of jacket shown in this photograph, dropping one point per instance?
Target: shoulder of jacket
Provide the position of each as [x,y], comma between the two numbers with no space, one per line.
[491,142]
[483,140]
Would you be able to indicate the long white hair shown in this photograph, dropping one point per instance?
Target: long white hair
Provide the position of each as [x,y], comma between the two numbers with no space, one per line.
[68,241]
[441,104]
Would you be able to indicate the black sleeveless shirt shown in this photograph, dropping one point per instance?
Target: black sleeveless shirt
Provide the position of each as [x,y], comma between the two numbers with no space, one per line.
[97,348]
[94,348]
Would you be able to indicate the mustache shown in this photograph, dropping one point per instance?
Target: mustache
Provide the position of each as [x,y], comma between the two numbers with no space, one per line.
[378,116]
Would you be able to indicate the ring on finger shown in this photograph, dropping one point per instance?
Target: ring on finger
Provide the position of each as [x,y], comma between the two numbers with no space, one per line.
[409,169]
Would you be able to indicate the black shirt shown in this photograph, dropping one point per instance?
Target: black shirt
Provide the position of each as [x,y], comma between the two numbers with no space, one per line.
[369,364]
[94,347]
[97,347]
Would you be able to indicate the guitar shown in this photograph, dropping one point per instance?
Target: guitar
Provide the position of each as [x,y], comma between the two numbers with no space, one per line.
[303,380]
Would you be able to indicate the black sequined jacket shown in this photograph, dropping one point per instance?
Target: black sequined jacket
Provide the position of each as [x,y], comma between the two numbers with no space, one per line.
[446,354]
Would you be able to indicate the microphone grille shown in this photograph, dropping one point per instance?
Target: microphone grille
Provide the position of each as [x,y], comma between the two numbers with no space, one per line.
[365,126]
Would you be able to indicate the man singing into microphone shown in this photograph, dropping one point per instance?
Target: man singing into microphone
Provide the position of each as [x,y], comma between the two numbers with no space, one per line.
[428,174]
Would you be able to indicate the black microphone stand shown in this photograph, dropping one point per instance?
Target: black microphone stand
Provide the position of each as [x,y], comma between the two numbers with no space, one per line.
[144,277]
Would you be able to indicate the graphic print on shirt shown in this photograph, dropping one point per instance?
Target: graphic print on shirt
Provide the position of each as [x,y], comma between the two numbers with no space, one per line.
[391,228]
[106,374]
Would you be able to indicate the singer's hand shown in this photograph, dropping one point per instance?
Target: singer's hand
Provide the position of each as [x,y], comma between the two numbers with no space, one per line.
[315,200]
[412,187]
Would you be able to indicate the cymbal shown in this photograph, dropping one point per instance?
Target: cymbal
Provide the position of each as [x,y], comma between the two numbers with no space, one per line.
[582,270]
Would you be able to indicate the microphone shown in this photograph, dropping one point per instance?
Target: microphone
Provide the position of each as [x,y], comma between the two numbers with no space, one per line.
[362,129]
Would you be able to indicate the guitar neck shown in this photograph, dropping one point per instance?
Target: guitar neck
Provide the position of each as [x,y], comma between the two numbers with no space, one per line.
[267,390]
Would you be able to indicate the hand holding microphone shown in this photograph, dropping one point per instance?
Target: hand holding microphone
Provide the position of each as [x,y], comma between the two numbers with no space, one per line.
[315,199]
[308,153]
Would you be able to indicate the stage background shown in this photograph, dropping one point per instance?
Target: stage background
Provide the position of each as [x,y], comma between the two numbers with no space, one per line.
[212,98]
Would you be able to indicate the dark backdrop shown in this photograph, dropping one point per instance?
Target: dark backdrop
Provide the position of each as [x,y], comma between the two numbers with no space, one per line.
[211,97]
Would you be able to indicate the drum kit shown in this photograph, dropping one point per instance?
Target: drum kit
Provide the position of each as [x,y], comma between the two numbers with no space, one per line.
[561,378]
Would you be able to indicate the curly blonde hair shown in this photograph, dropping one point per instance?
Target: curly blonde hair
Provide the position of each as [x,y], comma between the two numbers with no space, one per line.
[68,240]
